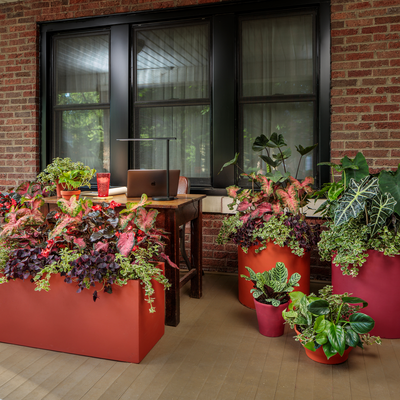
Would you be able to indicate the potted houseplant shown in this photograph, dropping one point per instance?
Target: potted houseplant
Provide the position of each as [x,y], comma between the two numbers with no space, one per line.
[91,247]
[269,225]
[363,238]
[72,180]
[50,176]
[271,297]
[329,326]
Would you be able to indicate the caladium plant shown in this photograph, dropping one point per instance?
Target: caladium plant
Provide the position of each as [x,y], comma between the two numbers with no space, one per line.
[330,321]
[363,209]
[273,194]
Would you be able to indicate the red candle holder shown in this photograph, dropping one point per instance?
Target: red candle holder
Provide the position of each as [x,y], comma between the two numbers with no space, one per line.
[103,183]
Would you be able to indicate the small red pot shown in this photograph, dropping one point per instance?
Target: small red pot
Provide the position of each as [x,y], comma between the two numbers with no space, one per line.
[59,187]
[320,357]
[270,320]
[67,194]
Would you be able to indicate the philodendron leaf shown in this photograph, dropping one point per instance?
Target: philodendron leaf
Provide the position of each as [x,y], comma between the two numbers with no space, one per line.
[231,162]
[352,338]
[360,172]
[337,338]
[329,350]
[319,307]
[361,323]
[389,182]
[381,208]
[354,199]
[354,300]
[321,338]
[321,324]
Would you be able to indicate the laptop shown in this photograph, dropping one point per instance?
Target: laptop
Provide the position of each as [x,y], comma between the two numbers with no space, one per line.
[152,182]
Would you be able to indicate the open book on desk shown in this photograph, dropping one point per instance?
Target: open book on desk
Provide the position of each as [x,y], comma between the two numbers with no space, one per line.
[111,192]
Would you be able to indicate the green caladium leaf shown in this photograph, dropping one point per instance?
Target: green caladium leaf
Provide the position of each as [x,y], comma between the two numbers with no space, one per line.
[284,155]
[352,338]
[319,307]
[303,151]
[381,208]
[389,182]
[338,167]
[360,172]
[336,337]
[329,350]
[361,323]
[231,162]
[260,143]
[277,140]
[270,161]
[354,300]
[275,176]
[354,199]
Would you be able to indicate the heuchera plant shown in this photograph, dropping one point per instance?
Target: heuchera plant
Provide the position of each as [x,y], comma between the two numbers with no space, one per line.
[275,199]
[86,244]
[363,212]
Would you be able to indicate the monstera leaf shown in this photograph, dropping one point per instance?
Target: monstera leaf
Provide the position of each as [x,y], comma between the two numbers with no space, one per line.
[382,207]
[389,182]
[354,199]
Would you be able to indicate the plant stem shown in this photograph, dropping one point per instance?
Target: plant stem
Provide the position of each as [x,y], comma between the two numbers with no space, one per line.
[298,167]
[283,160]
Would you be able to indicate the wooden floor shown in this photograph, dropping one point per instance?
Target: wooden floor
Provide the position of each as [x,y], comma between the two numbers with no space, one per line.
[216,352]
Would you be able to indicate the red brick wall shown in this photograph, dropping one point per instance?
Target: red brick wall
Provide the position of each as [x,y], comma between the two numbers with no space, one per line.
[365,92]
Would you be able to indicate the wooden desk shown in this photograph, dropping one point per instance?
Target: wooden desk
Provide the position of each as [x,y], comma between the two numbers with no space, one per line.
[172,214]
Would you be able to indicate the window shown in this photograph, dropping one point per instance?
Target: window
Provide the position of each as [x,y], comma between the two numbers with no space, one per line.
[215,77]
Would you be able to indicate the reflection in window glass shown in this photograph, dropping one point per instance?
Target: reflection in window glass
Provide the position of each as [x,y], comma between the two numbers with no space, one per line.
[173,63]
[84,135]
[277,56]
[82,69]
[190,152]
[293,120]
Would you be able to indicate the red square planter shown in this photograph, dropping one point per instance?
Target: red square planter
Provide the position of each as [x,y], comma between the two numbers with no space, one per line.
[117,326]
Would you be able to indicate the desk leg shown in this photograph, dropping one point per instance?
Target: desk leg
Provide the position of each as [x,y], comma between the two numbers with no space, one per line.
[196,243]
[172,295]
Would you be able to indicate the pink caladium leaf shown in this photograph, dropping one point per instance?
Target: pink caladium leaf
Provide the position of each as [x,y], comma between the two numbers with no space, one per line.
[23,188]
[261,210]
[145,220]
[71,207]
[125,219]
[168,260]
[276,208]
[267,217]
[266,185]
[58,229]
[243,206]
[305,185]
[101,246]
[33,203]
[289,198]
[232,191]
[244,218]
[80,243]
[125,243]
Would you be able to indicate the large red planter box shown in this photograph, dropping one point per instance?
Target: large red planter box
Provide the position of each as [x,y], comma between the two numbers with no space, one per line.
[266,260]
[117,326]
[376,283]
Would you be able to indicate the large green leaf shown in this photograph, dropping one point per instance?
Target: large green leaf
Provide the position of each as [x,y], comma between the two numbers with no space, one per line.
[303,151]
[329,350]
[336,337]
[361,323]
[381,208]
[260,143]
[319,307]
[231,162]
[270,161]
[389,182]
[354,300]
[360,172]
[352,338]
[276,139]
[354,199]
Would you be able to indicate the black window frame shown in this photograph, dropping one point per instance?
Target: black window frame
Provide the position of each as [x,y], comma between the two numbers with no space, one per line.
[224,89]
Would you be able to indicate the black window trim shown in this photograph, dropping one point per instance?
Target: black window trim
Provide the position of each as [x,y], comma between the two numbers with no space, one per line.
[224,130]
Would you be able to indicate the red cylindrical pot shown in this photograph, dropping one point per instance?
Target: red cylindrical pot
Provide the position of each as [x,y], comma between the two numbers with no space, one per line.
[320,357]
[270,320]
[374,285]
[266,260]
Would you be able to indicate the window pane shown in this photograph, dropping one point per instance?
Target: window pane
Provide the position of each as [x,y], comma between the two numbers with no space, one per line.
[190,152]
[173,63]
[84,135]
[293,120]
[82,69]
[277,56]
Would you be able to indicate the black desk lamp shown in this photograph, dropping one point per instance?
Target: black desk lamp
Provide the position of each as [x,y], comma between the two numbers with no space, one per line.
[156,138]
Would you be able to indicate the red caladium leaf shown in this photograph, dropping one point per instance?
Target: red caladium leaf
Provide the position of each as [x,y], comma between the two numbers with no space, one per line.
[266,185]
[80,243]
[243,206]
[305,185]
[71,207]
[145,220]
[261,210]
[125,243]
[125,219]
[267,217]
[67,220]
[276,208]
[232,191]
[101,246]
[245,218]
[289,198]
[168,260]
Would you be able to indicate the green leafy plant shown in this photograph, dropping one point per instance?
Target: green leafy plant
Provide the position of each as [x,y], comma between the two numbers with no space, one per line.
[272,286]
[75,178]
[53,172]
[273,194]
[363,212]
[332,321]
